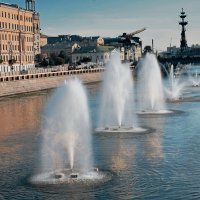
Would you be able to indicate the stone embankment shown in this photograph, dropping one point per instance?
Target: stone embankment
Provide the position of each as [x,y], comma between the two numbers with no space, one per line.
[12,84]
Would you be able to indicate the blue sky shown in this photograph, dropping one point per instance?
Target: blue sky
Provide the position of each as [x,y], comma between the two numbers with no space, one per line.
[113,17]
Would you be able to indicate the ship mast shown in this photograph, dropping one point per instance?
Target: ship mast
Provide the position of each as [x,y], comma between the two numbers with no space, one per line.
[183,23]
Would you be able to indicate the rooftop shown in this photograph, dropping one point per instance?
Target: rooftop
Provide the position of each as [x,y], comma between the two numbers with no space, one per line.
[15,6]
[94,49]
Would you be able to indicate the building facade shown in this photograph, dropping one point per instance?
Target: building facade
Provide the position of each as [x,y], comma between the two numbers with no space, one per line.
[81,41]
[97,54]
[49,49]
[19,36]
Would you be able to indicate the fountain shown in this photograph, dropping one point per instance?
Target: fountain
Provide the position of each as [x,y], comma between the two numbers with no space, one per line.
[150,87]
[116,110]
[195,80]
[174,92]
[66,146]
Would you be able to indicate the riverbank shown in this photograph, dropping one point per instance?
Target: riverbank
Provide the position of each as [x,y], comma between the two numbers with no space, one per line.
[25,83]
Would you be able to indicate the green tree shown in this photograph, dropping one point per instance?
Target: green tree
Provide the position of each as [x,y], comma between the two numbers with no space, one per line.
[44,63]
[59,61]
[63,55]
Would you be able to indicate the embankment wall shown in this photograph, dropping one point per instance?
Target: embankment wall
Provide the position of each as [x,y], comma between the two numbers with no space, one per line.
[31,83]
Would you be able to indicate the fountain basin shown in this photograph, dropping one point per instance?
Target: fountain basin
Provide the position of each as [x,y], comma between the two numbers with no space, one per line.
[59,175]
[177,99]
[74,175]
[66,176]
[122,129]
[155,112]
[196,85]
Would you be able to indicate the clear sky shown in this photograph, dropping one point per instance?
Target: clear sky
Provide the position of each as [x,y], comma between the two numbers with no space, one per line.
[108,18]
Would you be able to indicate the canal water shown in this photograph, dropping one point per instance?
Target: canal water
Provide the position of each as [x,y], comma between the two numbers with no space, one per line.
[162,164]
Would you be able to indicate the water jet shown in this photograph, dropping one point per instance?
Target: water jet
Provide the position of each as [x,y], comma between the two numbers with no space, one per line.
[66,138]
[175,90]
[117,102]
[150,87]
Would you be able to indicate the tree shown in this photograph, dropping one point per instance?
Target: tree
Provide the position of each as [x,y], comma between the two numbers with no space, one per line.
[44,63]
[51,62]
[59,61]
[63,55]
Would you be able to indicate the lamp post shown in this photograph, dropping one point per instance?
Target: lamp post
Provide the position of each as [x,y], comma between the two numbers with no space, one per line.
[11,60]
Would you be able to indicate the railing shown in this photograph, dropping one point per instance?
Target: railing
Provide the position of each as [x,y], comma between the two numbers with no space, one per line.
[35,74]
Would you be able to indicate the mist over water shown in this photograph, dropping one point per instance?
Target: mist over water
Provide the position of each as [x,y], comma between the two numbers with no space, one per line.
[174,92]
[117,104]
[66,130]
[151,95]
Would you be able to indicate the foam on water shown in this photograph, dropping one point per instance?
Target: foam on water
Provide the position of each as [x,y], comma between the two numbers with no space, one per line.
[64,177]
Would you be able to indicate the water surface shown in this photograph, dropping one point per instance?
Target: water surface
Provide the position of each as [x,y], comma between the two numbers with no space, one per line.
[162,164]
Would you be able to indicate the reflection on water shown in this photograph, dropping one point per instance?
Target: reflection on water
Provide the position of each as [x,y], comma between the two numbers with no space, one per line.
[152,143]
[19,125]
[123,156]
[20,114]
[153,147]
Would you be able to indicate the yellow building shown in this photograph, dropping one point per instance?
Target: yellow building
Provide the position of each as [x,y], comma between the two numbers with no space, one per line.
[43,40]
[19,36]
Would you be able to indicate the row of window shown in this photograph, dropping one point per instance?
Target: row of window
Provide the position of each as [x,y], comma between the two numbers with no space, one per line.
[14,38]
[17,58]
[14,47]
[15,16]
[97,57]
[6,25]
